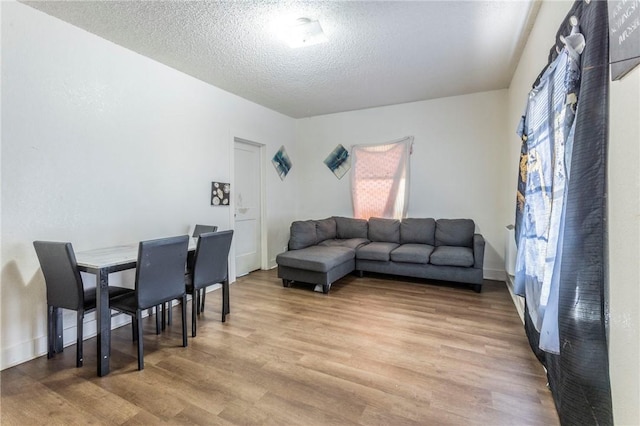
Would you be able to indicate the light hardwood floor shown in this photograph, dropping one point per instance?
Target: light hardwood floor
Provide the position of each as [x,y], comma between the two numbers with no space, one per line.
[375,351]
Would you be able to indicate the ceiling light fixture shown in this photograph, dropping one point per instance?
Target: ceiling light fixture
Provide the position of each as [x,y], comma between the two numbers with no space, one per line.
[305,32]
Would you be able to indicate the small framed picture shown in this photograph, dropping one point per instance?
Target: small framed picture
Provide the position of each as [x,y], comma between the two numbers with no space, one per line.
[220,193]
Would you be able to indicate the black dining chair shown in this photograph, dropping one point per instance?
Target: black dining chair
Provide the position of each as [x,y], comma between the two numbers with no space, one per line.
[159,279]
[66,290]
[166,308]
[210,267]
[201,229]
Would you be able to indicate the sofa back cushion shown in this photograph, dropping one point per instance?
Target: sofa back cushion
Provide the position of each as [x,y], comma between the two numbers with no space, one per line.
[418,231]
[326,229]
[347,227]
[303,234]
[455,232]
[384,230]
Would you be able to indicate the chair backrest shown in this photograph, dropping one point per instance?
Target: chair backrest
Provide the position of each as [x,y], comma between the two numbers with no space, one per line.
[211,258]
[201,229]
[61,274]
[160,270]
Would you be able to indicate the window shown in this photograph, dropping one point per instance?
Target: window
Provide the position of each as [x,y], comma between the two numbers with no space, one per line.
[380,179]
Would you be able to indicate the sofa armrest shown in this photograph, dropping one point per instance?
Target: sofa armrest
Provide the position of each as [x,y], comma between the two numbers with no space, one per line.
[478,251]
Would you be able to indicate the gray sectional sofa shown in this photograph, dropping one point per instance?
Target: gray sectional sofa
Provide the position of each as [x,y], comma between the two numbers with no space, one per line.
[322,251]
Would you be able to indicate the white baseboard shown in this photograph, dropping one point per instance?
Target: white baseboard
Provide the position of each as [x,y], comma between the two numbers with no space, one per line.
[494,274]
[501,275]
[518,301]
[37,346]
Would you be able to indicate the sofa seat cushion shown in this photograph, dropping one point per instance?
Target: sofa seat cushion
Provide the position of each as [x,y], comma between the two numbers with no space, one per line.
[452,256]
[412,253]
[316,258]
[352,243]
[376,251]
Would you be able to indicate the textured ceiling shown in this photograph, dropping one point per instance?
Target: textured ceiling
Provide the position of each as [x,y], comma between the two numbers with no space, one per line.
[379,52]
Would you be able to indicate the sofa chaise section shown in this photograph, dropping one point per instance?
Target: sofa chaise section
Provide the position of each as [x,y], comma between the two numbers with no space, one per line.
[316,265]
[321,251]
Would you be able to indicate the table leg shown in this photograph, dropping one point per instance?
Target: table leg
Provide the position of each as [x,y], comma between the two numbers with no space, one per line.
[103,317]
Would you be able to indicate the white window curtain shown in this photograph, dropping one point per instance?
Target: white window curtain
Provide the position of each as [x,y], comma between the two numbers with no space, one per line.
[380,179]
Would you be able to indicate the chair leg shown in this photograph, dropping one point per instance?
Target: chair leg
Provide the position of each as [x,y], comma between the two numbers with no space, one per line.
[134,328]
[193,313]
[226,284]
[169,312]
[224,294]
[80,321]
[51,331]
[158,325]
[183,307]
[225,299]
[196,295]
[204,294]
[140,340]
[164,316]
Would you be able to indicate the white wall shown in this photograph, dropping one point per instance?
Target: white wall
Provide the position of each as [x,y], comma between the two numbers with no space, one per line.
[624,206]
[624,248]
[102,146]
[457,164]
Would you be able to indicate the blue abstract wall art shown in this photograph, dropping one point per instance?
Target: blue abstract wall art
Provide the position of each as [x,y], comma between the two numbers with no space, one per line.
[282,162]
[339,161]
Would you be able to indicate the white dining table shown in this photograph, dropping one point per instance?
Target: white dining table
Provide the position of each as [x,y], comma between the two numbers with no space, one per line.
[101,262]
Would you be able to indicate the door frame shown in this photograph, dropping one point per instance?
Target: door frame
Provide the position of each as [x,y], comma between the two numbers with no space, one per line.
[263,201]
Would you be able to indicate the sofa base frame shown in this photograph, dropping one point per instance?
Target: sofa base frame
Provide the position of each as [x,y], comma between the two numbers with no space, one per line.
[290,275]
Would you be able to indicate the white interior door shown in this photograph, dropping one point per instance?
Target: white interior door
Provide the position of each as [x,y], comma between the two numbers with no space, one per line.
[248,209]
